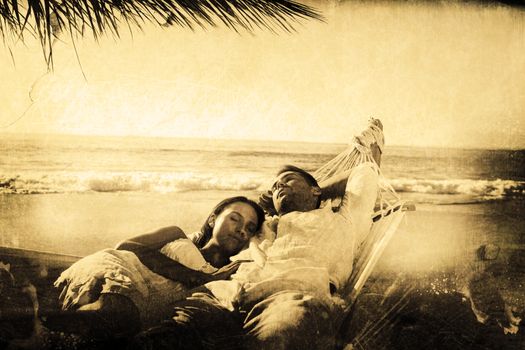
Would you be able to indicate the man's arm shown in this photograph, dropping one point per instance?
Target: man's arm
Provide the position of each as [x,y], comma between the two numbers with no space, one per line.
[359,201]
[147,248]
[336,185]
[362,185]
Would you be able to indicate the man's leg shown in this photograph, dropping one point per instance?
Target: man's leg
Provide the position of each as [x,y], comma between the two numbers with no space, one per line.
[199,322]
[290,320]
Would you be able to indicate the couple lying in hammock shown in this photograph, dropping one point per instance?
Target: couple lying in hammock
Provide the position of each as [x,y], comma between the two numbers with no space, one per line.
[281,293]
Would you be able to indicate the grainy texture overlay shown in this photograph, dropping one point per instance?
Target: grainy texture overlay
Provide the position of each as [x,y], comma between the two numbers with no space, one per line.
[119,136]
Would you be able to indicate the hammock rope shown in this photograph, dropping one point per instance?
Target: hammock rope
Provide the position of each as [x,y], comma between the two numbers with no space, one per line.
[386,219]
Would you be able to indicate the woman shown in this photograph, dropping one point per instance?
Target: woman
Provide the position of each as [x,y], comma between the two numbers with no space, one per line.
[116,292]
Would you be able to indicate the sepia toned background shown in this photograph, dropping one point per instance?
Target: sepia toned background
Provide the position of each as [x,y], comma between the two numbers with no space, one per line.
[154,128]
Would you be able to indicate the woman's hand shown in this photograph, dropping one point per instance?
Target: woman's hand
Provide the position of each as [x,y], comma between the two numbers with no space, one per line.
[226,271]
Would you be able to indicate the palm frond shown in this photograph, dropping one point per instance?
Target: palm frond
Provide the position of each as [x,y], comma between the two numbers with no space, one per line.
[45,19]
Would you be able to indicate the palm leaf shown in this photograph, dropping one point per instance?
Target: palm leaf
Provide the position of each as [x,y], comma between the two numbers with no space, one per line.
[45,19]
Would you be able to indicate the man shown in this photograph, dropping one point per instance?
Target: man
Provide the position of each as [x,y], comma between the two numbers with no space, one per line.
[287,302]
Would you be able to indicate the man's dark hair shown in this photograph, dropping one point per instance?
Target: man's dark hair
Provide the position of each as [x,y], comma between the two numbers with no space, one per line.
[310,180]
[265,199]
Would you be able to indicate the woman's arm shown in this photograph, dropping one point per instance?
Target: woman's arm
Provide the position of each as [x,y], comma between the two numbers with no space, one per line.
[147,248]
[154,240]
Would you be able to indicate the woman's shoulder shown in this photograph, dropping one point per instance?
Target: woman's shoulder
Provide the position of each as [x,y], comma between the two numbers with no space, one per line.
[179,244]
[197,238]
[189,244]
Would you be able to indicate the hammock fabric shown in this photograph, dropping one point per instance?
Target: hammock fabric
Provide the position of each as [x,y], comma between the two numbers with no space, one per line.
[386,219]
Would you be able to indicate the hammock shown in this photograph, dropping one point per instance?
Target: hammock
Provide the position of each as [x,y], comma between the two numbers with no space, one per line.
[385,221]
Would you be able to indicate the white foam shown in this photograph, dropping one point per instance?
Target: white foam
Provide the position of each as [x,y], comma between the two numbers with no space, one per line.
[162,182]
[33,183]
[489,189]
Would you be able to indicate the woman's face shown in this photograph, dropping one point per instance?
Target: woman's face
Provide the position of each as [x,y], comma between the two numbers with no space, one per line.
[234,226]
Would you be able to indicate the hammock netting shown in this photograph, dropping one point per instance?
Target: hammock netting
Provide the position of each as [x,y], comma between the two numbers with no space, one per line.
[386,219]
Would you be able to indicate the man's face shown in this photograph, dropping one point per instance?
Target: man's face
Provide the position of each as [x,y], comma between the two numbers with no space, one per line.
[291,192]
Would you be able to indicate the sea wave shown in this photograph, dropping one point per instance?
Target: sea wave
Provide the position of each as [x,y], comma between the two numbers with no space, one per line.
[70,182]
[125,182]
[481,189]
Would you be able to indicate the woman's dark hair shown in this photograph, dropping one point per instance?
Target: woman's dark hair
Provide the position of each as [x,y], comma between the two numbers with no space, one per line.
[205,234]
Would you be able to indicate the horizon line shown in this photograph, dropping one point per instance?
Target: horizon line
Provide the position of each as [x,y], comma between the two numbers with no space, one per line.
[36,134]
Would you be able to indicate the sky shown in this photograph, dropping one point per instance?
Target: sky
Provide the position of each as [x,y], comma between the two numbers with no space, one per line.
[445,75]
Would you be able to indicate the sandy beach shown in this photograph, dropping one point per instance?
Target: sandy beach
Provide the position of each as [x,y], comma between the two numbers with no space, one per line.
[82,223]
[433,238]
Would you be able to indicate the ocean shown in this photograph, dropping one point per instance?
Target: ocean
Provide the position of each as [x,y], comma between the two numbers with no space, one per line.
[79,194]
[55,186]
[79,164]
